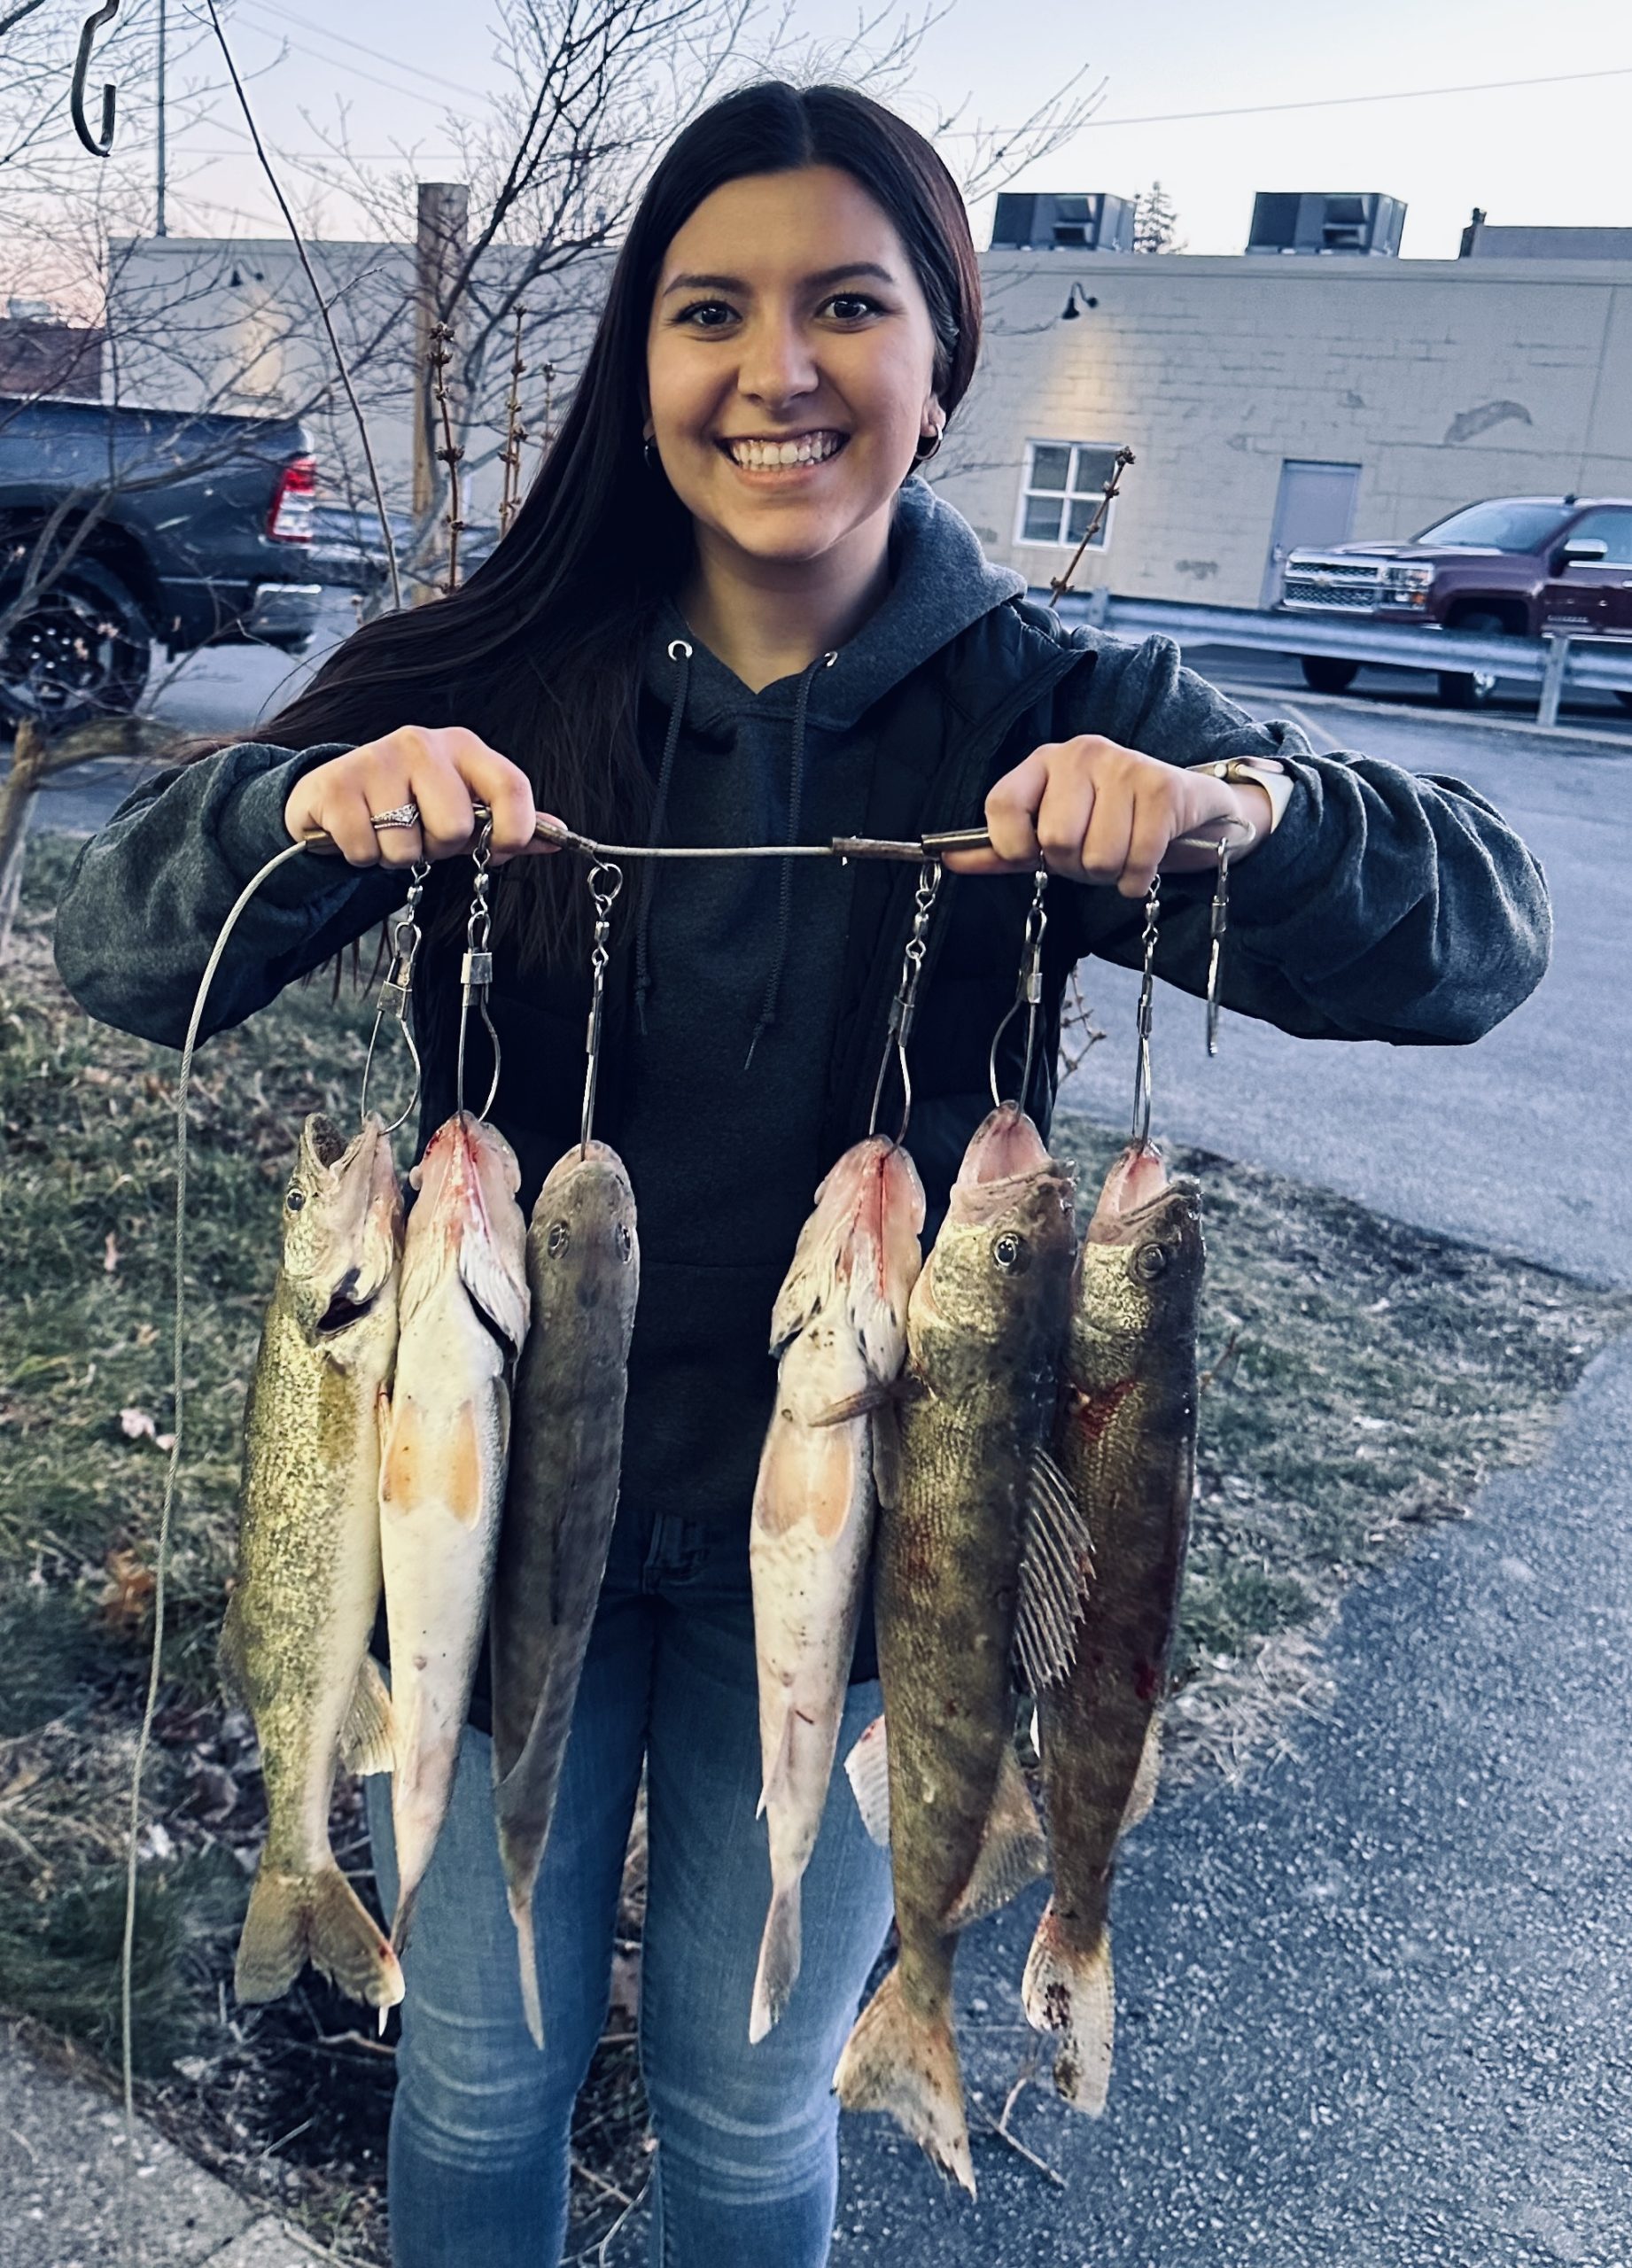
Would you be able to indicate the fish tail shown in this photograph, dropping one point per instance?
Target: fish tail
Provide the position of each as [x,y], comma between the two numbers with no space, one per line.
[1069,1993]
[900,2060]
[317,1918]
[780,1952]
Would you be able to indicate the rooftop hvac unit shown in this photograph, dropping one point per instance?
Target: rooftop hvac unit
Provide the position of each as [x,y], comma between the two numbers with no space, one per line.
[1320,221]
[1094,224]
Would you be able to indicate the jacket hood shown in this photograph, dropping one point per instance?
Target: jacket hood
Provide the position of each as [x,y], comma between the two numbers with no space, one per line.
[941,582]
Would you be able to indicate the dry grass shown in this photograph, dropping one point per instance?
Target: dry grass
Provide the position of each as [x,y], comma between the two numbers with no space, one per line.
[1364,1379]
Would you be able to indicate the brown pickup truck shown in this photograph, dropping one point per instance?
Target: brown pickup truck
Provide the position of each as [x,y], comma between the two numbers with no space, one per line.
[1515,566]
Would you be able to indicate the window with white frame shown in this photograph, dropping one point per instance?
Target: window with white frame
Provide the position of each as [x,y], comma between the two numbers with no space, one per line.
[1064,484]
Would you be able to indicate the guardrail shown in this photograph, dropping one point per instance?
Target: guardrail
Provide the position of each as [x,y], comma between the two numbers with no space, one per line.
[1555,665]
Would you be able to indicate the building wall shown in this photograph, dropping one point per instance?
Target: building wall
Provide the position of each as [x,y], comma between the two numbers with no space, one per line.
[1444,380]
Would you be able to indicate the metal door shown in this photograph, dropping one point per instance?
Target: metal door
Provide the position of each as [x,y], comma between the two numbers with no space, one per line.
[1587,599]
[1316,505]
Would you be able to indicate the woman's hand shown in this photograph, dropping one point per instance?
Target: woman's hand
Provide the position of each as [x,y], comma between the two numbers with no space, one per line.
[1099,813]
[439,772]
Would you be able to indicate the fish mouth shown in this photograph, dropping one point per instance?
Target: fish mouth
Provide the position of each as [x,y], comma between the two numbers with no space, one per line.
[1005,1146]
[1136,1195]
[344,1309]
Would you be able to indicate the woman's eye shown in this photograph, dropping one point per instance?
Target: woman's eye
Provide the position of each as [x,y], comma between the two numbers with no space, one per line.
[851,306]
[715,311]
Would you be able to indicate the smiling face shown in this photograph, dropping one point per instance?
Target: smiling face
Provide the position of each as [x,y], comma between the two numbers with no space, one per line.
[789,367]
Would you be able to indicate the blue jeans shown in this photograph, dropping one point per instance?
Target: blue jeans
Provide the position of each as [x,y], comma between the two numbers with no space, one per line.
[746,2167]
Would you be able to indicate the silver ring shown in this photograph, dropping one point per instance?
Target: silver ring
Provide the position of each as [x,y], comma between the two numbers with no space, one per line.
[402,815]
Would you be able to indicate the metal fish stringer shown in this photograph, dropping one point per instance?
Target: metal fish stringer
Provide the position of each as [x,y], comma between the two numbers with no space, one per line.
[1028,995]
[1219,922]
[605,882]
[903,1008]
[476,968]
[1139,1137]
[396,993]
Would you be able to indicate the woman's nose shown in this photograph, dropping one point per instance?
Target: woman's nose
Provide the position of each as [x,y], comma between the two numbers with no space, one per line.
[778,363]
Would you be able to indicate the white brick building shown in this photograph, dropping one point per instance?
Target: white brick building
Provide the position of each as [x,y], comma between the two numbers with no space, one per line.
[1395,389]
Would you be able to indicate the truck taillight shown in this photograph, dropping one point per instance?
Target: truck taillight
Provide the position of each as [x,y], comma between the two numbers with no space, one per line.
[292,499]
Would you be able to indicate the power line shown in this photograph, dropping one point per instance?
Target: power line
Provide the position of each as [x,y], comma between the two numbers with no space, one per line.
[1314,102]
[433,78]
[352,70]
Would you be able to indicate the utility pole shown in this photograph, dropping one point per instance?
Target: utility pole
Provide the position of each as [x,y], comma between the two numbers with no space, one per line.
[159,228]
[438,254]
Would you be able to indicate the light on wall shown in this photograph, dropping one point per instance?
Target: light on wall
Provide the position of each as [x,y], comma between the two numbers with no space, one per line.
[1070,312]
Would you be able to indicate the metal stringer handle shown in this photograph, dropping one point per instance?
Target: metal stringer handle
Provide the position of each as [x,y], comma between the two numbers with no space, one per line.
[396,993]
[605,882]
[904,1007]
[1139,1137]
[1028,994]
[476,969]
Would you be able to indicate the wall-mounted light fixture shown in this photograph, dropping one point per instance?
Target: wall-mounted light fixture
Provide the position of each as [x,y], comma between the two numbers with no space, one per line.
[1070,312]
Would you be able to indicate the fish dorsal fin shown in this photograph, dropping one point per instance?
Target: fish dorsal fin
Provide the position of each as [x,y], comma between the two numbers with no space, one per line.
[367,1739]
[867,1768]
[1056,1566]
[1012,1852]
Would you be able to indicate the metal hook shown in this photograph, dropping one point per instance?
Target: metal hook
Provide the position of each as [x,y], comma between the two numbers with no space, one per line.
[1028,994]
[1218,921]
[605,882]
[904,1007]
[1140,1135]
[405,938]
[76,90]
[476,968]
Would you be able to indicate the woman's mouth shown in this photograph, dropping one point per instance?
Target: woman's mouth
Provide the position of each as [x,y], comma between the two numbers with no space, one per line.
[776,453]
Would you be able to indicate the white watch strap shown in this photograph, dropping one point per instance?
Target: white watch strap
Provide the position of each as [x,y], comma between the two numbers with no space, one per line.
[1276,783]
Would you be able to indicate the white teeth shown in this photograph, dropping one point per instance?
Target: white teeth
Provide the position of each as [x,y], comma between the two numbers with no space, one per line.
[764,457]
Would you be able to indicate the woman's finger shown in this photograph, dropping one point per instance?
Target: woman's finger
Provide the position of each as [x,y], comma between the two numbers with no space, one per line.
[1147,842]
[1011,811]
[343,812]
[1104,848]
[1071,801]
[503,787]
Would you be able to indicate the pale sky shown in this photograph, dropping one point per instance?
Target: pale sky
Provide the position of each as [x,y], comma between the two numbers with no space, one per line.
[1530,153]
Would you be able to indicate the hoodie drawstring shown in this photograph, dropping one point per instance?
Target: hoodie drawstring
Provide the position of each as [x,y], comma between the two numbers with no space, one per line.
[680,652]
[784,912]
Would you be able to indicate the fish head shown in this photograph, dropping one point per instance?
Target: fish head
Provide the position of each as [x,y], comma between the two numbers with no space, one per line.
[466,1222]
[1008,1236]
[583,1225]
[859,1253]
[342,1226]
[1143,1252]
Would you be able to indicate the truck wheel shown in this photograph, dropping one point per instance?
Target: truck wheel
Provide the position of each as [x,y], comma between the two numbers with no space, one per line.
[1465,688]
[1325,673]
[82,650]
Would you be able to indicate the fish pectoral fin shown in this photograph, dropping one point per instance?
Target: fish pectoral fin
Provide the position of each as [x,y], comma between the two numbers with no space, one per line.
[1012,1852]
[867,1768]
[779,1772]
[368,1737]
[434,1456]
[1056,1568]
[501,1295]
[862,1404]
[885,1441]
[1142,1795]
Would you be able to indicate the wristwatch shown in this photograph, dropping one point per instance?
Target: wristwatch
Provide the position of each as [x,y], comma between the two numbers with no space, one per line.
[1265,771]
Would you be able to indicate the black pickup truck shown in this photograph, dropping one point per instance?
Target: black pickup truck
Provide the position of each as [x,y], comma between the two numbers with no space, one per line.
[146,527]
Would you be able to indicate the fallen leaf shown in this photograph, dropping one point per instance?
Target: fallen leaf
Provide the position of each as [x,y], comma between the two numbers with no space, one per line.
[135,1423]
[109,1256]
[124,1603]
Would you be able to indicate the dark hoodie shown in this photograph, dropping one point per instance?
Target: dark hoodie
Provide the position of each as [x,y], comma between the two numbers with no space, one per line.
[1385,906]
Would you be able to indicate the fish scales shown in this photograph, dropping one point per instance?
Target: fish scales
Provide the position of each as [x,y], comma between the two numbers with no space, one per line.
[985,1326]
[584,1273]
[294,1643]
[1126,1444]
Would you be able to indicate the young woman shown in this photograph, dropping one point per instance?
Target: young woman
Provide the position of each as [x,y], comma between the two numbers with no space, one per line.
[729,613]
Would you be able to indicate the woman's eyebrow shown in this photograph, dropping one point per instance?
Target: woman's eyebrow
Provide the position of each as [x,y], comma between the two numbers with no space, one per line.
[696,283]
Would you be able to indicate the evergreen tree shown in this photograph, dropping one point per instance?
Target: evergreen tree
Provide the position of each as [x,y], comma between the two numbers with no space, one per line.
[1156,221]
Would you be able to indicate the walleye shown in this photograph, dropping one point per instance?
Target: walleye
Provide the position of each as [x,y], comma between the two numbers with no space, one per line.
[980,1554]
[584,1268]
[840,1326]
[1126,1442]
[464,1315]
[296,1637]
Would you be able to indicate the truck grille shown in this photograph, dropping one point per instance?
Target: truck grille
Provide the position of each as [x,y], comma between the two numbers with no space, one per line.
[1322,586]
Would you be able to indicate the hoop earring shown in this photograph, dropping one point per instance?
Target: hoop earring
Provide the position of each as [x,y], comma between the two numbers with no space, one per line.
[925,448]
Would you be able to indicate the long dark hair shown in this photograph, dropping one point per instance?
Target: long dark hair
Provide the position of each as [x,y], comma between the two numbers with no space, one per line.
[539,652]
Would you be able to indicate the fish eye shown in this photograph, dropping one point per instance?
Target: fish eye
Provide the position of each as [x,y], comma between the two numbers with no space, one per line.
[295,1200]
[1009,1252]
[1149,1260]
[559,1238]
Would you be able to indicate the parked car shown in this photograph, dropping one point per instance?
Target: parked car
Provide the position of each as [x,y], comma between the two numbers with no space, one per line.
[1512,566]
[196,530]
